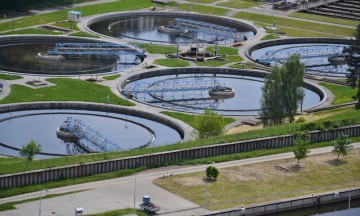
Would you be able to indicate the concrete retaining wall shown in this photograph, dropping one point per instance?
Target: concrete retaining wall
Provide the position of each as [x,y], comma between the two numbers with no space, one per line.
[291,204]
[58,173]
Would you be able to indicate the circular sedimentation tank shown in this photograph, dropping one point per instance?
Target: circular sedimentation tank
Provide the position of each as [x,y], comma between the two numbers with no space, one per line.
[27,55]
[152,27]
[187,90]
[17,128]
[321,56]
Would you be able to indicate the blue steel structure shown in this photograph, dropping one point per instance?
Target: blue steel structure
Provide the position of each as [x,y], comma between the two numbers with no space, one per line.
[304,51]
[206,28]
[95,141]
[96,48]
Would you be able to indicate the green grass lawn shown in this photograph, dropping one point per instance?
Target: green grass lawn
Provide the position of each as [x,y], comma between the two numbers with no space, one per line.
[270,37]
[217,63]
[203,9]
[64,90]
[83,34]
[262,182]
[240,3]
[190,119]
[121,212]
[121,5]
[111,77]
[32,31]
[222,50]
[172,62]
[203,1]
[298,24]
[324,19]
[155,49]
[10,77]
[67,25]
[342,94]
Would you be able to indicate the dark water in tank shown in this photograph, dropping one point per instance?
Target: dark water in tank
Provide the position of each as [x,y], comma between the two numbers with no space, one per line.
[145,29]
[245,102]
[21,57]
[40,126]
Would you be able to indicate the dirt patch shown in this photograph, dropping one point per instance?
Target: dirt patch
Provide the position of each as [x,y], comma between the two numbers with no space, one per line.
[243,128]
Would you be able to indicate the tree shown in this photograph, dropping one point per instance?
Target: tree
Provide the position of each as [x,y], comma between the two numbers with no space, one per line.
[30,150]
[282,93]
[301,147]
[212,172]
[209,124]
[352,56]
[341,145]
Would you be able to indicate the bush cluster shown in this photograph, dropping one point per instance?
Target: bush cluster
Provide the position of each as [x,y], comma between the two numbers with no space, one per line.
[326,125]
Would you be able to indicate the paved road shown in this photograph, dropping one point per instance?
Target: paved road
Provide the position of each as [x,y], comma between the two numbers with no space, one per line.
[118,193]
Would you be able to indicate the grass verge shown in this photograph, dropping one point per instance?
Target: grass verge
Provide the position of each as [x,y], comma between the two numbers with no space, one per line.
[298,24]
[64,90]
[203,9]
[154,49]
[83,34]
[190,119]
[32,31]
[111,77]
[172,62]
[343,94]
[239,3]
[10,77]
[218,63]
[324,19]
[222,50]
[67,25]
[121,212]
[270,37]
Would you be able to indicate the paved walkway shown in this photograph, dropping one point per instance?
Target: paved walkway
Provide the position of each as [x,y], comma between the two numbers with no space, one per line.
[101,196]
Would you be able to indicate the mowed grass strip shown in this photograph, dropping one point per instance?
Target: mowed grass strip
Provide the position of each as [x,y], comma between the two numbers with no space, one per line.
[203,1]
[239,3]
[120,5]
[299,24]
[343,94]
[64,90]
[203,9]
[83,34]
[157,49]
[10,77]
[172,62]
[264,182]
[32,31]
[327,19]
[190,119]
[218,63]
[121,212]
[222,50]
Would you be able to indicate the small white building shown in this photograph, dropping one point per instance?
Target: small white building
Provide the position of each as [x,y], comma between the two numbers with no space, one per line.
[74,16]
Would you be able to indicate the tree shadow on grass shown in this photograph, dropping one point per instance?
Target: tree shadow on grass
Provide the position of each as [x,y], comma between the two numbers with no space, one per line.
[336,162]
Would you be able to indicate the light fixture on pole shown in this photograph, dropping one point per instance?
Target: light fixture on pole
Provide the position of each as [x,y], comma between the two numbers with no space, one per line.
[134,197]
[40,200]
[348,171]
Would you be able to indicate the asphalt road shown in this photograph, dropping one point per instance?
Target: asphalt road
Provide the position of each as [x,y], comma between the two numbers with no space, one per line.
[101,196]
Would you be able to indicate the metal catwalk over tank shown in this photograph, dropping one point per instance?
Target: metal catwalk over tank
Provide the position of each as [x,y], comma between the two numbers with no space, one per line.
[207,28]
[95,48]
[98,141]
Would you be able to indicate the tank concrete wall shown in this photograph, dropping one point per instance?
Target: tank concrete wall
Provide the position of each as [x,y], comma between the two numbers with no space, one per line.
[58,173]
[291,204]
[200,17]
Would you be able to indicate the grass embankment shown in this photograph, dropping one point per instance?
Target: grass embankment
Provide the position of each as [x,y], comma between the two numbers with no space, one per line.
[190,119]
[67,25]
[343,94]
[83,34]
[327,19]
[64,90]
[172,62]
[312,29]
[239,3]
[203,9]
[315,121]
[270,37]
[121,5]
[10,77]
[155,49]
[11,205]
[32,31]
[203,1]
[264,182]
[222,50]
[111,77]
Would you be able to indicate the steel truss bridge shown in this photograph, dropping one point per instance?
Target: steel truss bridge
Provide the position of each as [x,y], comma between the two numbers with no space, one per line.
[185,93]
[304,51]
[96,48]
[95,141]
[206,28]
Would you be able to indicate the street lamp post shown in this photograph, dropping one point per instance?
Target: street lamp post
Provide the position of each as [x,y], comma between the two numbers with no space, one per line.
[344,169]
[134,196]
[40,200]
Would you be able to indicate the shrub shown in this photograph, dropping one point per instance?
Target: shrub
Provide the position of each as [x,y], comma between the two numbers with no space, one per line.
[212,172]
[299,120]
